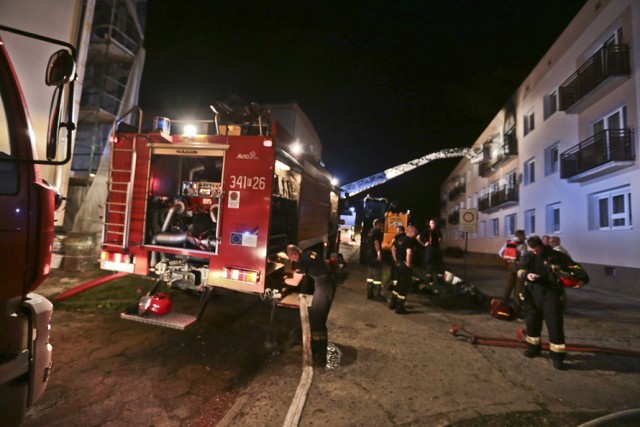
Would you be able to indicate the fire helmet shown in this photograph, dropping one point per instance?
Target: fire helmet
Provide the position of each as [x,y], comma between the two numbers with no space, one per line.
[157,304]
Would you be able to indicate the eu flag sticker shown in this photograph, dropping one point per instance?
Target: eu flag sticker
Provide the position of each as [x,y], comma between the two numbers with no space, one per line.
[236,239]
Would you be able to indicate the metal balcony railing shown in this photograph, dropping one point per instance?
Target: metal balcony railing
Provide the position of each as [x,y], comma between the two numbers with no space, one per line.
[504,195]
[609,61]
[457,191]
[611,145]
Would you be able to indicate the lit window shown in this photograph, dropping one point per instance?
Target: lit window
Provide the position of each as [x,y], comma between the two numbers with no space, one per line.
[530,222]
[553,218]
[611,209]
[529,171]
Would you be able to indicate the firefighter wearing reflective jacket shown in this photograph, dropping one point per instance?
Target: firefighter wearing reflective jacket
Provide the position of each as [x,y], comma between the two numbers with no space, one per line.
[511,252]
[374,259]
[541,296]
[312,264]
[403,252]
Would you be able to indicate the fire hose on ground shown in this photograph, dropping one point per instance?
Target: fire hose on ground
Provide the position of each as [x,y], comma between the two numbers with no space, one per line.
[85,286]
[519,342]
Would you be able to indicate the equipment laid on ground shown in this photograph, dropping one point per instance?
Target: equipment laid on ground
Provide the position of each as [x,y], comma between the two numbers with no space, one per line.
[501,310]
[209,204]
[519,342]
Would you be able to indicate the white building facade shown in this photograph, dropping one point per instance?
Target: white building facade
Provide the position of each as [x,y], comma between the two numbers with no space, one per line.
[560,158]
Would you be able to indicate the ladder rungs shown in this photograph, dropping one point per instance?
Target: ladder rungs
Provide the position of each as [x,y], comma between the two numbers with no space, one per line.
[121,170]
[116,203]
[123,149]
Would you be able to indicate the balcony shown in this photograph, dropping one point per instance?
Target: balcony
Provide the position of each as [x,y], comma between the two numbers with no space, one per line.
[504,196]
[608,62]
[457,191]
[603,153]
[506,150]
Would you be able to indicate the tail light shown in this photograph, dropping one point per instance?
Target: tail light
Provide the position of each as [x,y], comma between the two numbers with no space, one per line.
[241,274]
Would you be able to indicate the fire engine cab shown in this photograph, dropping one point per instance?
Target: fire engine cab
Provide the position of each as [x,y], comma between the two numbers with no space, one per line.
[212,203]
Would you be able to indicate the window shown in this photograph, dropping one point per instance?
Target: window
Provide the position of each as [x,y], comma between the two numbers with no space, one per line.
[494,227]
[475,201]
[553,218]
[530,222]
[8,171]
[529,123]
[510,180]
[483,229]
[550,104]
[509,224]
[552,159]
[611,209]
[530,171]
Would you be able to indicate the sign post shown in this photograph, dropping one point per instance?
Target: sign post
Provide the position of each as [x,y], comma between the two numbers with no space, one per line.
[468,224]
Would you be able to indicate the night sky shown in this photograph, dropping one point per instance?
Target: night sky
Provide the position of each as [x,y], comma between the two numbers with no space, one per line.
[383,82]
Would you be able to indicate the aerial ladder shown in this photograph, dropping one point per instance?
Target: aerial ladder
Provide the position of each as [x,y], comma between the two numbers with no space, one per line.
[382,177]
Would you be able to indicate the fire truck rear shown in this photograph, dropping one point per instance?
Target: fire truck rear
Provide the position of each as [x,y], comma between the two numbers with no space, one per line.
[212,204]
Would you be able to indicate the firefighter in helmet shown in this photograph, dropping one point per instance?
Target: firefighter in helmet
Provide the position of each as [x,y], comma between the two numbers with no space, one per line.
[310,263]
[542,299]
[511,252]
[374,261]
[403,253]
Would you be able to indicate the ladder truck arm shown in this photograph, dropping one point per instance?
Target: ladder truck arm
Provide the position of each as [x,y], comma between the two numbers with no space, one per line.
[382,177]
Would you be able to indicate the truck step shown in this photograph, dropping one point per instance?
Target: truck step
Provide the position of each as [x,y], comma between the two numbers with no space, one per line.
[293,300]
[170,320]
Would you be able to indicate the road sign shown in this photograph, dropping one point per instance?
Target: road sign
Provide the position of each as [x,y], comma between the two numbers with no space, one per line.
[469,220]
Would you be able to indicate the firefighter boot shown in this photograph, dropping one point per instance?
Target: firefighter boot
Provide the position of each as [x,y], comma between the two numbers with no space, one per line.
[369,290]
[400,307]
[532,350]
[376,293]
[558,360]
[393,302]
[319,344]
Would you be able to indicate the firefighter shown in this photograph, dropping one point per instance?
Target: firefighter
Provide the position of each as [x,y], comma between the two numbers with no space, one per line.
[430,239]
[374,260]
[312,264]
[542,299]
[403,252]
[511,252]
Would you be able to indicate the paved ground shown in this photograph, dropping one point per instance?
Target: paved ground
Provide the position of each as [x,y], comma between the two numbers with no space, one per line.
[240,366]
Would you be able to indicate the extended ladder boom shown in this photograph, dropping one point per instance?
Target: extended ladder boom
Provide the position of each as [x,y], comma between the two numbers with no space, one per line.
[382,177]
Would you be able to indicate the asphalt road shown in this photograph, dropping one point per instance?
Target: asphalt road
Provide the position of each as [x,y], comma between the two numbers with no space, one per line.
[241,364]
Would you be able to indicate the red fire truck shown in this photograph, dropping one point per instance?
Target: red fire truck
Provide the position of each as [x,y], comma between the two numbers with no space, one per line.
[27,205]
[211,204]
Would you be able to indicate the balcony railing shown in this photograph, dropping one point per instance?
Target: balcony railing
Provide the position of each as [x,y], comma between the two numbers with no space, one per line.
[605,151]
[508,148]
[609,61]
[505,195]
[457,191]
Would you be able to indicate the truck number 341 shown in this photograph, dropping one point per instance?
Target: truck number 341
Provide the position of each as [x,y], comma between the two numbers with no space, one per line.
[248,182]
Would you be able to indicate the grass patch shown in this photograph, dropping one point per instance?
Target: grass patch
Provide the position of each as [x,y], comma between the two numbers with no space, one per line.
[115,295]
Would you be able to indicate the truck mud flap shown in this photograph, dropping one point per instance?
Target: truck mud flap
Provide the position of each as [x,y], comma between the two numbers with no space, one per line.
[178,321]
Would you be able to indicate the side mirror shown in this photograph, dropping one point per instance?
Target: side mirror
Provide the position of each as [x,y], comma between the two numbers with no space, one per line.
[61,69]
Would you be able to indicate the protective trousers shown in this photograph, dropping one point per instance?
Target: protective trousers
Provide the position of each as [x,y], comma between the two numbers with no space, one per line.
[544,304]
[401,289]
[325,287]
[374,280]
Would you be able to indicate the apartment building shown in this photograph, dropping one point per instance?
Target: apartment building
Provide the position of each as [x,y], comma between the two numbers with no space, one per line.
[560,157]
